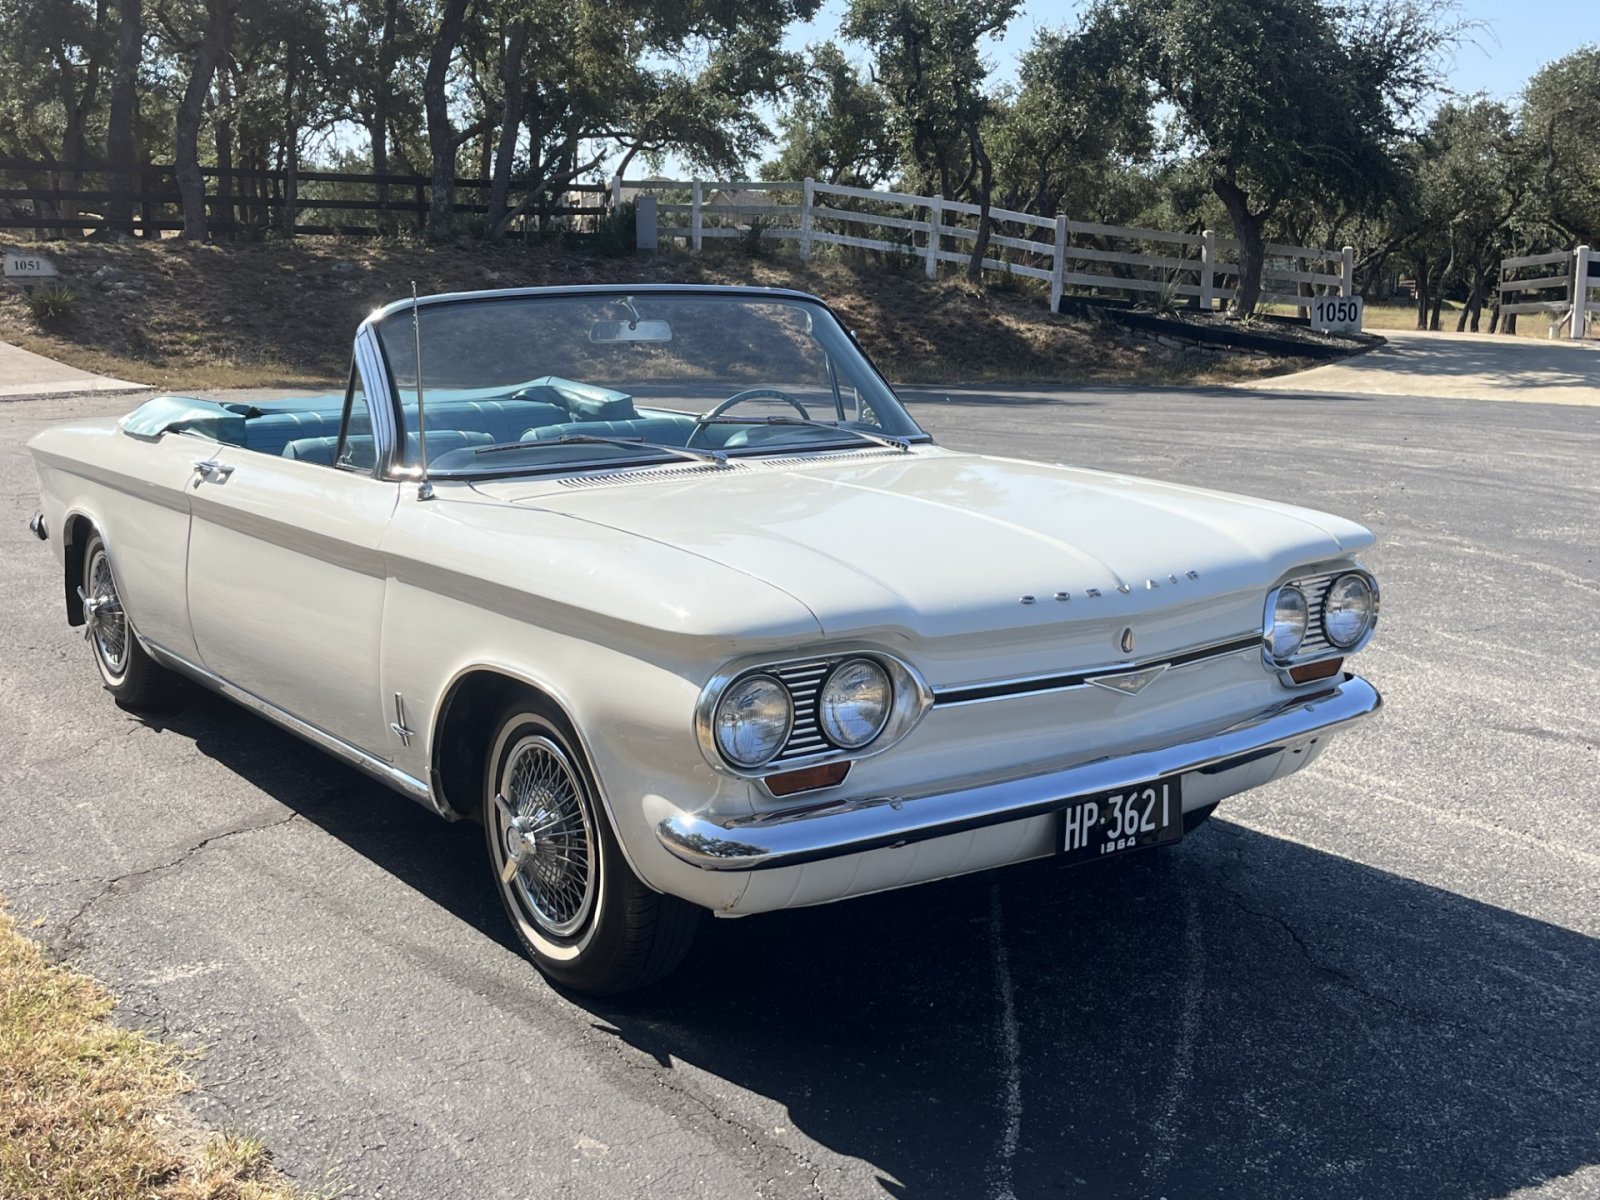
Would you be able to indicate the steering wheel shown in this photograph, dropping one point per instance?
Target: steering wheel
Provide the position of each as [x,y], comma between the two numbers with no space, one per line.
[739,398]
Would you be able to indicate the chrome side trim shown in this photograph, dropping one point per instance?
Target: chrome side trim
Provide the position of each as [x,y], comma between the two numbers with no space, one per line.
[813,832]
[1032,685]
[383,772]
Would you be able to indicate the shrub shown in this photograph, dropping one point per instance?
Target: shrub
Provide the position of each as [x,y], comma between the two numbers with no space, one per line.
[51,303]
[751,242]
[617,233]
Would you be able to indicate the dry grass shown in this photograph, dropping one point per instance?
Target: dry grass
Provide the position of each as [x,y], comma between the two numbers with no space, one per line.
[87,1108]
[187,316]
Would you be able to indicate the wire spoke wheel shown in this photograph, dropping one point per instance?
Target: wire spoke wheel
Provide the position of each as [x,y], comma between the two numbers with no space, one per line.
[545,830]
[106,623]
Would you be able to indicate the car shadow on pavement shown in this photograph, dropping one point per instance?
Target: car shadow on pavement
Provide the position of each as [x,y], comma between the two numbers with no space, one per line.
[1239,1016]
[1243,1016]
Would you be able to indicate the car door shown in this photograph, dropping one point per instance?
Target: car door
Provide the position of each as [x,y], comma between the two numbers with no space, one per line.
[139,501]
[285,582]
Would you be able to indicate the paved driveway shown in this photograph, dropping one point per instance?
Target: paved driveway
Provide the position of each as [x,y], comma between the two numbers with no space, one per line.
[1469,366]
[1378,978]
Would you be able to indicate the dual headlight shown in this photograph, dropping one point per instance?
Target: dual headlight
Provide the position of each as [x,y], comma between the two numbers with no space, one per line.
[1349,608]
[755,716]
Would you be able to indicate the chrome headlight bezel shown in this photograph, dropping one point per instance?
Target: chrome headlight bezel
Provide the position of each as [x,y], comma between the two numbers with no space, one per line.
[1315,582]
[911,698]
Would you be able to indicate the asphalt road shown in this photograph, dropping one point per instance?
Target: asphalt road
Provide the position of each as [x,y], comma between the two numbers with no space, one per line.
[1378,978]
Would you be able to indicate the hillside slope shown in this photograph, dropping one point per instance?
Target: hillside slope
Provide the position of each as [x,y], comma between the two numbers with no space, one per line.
[180,315]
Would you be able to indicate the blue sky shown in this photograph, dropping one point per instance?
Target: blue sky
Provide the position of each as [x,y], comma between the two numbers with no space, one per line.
[1515,40]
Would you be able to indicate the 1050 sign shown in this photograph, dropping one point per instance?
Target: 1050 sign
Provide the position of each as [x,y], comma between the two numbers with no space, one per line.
[1336,314]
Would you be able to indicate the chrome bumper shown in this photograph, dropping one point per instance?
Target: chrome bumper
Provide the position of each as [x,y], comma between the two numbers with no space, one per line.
[829,830]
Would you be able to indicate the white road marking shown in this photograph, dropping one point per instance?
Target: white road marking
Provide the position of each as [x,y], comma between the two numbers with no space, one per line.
[1164,1131]
[1011,1054]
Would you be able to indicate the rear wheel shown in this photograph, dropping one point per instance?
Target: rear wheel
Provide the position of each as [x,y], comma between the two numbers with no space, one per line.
[134,678]
[579,911]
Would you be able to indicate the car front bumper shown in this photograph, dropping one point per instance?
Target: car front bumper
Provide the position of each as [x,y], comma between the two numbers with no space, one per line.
[1215,764]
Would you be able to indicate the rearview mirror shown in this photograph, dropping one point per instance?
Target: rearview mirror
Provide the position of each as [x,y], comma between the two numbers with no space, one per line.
[630,331]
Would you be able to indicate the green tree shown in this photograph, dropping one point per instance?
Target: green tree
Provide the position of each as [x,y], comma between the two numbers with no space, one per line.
[1558,115]
[1281,98]
[928,59]
[1079,114]
[835,127]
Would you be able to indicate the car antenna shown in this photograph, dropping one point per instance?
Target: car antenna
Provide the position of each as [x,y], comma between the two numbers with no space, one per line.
[424,489]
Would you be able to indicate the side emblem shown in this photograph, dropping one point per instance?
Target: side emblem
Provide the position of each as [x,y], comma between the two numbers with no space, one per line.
[1130,683]
[1127,640]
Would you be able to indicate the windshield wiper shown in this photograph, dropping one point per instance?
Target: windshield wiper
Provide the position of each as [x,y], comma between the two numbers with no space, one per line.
[882,439]
[716,457]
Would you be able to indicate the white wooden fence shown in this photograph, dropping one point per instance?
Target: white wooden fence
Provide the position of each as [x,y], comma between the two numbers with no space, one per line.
[1065,254]
[1559,286]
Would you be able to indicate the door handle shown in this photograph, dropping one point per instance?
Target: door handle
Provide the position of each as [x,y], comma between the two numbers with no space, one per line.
[210,470]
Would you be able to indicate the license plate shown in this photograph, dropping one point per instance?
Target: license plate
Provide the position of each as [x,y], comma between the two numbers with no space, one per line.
[1107,823]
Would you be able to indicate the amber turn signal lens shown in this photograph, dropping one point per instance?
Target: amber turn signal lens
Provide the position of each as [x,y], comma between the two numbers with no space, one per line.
[808,779]
[1317,670]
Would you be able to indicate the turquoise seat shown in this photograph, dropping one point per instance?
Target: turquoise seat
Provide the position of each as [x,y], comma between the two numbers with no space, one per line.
[503,419]
[671,431]
[440,441]
[271,432]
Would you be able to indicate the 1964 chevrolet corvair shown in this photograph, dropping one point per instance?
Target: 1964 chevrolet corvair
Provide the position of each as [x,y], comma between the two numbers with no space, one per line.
[665,587]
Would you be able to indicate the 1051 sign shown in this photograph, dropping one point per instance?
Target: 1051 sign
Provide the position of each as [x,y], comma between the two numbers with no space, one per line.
[1336,314]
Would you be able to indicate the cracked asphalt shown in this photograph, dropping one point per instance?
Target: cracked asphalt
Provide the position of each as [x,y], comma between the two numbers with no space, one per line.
[1378,978]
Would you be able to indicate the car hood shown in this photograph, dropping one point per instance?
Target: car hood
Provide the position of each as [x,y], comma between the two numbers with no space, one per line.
[939,544]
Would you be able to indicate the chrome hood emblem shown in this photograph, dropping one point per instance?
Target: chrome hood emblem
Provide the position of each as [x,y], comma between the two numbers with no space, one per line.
[1130,683]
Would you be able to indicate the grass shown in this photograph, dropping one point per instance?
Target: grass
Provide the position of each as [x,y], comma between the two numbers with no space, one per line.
[88,1109]
[282,314]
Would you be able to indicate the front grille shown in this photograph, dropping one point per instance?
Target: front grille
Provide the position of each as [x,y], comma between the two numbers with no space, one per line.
[804,681]
[1315,589]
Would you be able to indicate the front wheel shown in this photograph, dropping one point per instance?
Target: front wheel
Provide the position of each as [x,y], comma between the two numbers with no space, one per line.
[131,676]
[579,911]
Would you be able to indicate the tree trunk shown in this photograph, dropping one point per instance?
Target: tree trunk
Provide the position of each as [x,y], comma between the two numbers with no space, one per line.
[1424,269]
[291,180]
[223,211]
[377,131]
[1247,228]
[980,247]
[496,220]
[121,146]
[191,185]
[442,141]
[291,142]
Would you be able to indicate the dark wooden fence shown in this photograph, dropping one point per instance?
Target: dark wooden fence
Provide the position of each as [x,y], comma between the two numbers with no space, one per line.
[70,198]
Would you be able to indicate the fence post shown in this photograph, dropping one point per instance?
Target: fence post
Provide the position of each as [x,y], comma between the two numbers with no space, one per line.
[1208,267]
[694,219]
[935,220]
[616,192]
[1058,268]
[1580,290]
[806,200]
[1347,272]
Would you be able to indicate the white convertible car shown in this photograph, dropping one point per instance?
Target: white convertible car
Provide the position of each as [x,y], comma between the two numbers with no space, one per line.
[666,588]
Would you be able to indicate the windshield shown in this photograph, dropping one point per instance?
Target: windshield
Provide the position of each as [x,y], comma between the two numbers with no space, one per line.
[528,383]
